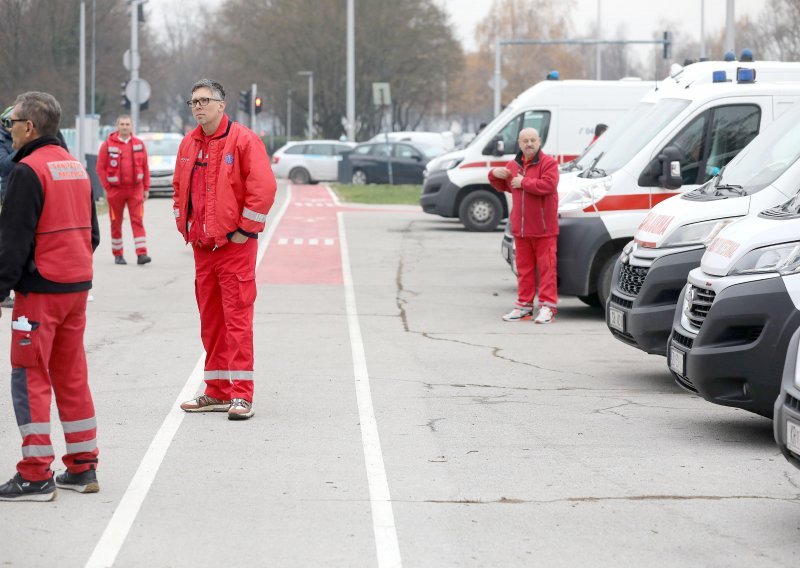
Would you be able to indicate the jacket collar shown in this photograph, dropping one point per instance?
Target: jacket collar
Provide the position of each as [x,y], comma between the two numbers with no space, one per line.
[535,160]
[34,145]
[114,136]
[222,130]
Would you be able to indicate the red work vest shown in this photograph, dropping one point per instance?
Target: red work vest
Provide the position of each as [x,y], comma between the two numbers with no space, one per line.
[118,152]
[63,241]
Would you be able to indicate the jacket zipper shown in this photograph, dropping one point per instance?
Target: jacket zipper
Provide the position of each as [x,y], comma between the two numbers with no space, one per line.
[523,203]
[544,223]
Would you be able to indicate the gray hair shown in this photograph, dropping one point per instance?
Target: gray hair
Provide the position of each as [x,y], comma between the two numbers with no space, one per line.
[120,117]
[42,109]
[216,88]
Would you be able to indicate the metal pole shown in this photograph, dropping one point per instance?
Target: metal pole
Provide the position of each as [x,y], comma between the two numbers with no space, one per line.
[351,72]
[253,90]
[289,116]
[702,28]
[135,63]
[94,55]
[730,27]
[311,105]
[497,45]
[81,135]
[599,36]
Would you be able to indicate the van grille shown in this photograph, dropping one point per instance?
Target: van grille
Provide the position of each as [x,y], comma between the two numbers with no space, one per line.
[621,301]
[700,306]
[631,278]
[792,402]
[681,339]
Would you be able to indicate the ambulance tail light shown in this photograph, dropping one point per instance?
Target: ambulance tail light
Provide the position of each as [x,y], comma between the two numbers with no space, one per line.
[585,196]
[783,259]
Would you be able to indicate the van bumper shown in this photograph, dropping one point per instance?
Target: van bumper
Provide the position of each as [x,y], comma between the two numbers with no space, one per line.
[647,315]
[439,195]
[579,240]
[737,358]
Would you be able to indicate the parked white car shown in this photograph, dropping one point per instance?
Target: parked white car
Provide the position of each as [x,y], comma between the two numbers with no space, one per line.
[162,151]
[309,161]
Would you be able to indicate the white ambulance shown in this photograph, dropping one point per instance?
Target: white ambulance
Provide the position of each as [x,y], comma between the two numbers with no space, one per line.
[738,311]
[670,242]
[564,112]
[686,138]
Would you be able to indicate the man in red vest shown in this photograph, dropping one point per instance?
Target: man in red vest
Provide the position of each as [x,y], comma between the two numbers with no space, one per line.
[224,189]
[123,171]
[48,232]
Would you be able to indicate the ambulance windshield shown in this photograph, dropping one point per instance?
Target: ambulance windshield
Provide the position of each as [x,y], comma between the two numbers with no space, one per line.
[636,136]
[764,160]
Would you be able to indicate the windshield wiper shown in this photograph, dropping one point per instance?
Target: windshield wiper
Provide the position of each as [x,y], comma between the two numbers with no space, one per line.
[571,166]
[732,188]
[595,170]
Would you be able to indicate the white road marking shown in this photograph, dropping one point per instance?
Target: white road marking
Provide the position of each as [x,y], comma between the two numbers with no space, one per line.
[383,525]
[110,543]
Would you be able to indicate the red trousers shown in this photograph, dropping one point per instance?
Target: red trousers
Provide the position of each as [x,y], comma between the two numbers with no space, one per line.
[225,287]
[50,358]
[134,199]
[536,254]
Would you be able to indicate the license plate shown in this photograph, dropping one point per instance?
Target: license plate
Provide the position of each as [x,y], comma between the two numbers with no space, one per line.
[616,319]
[677,360]
[793,437]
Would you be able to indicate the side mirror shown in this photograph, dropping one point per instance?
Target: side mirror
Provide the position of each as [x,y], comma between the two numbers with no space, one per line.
[499,147]
[663,171]
[416,158]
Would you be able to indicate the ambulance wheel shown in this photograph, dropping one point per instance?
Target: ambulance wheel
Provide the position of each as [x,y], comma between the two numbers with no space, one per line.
[480,211]
[604,280]
[299,176]
[359,177]
[592,300]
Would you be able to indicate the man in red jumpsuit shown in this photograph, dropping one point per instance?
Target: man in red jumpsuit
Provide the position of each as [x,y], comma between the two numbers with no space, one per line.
[48,232]
[532,179]
[123,171]
[224,188]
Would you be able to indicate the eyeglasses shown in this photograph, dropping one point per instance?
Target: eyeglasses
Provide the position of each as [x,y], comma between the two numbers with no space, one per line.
[9,122]
[201,102]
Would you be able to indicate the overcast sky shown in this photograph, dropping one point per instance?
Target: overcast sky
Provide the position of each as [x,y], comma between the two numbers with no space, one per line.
[640,21]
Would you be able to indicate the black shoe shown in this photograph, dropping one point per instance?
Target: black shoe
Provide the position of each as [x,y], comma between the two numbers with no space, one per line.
[119,260]
[19,489]
[83,482]
[143,259]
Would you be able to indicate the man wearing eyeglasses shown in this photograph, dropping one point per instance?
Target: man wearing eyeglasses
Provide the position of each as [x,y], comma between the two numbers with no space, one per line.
[48,232]
[224,188]
[123,171]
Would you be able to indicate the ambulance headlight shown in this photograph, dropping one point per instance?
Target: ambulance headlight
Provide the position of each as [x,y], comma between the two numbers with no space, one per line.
[444,164]
[585,196]
[696,233]
[783,259]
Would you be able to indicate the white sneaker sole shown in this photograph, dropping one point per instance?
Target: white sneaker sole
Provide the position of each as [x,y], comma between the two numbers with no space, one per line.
[245,416]
[38,497]
[209,408]
[88,488]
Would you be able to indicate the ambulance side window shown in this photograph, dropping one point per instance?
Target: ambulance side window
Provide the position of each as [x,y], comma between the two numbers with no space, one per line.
[732,128]
[689,143]
[540,120]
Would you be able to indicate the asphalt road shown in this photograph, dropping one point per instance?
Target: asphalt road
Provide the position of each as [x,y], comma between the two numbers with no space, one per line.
[398,421]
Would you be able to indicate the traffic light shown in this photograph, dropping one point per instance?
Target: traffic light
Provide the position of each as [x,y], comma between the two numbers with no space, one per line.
[124,101]
[259,105]
[667,45]
[244,101]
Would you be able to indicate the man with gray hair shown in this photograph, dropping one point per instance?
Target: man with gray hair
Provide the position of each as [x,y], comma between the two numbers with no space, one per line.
[224,189]
[48,232]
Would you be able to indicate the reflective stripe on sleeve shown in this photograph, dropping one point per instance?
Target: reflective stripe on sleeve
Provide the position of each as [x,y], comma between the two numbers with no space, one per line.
[78,447]
[42,428]
[176,212]
[79,425]
[253,216]
[37,451]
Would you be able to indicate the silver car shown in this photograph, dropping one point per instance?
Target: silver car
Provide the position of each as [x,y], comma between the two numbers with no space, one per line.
[310,161]
[162,151]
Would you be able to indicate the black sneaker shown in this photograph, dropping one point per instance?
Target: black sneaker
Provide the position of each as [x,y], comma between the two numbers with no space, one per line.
[83,482]
[20,489]
[143,259]
[120,260]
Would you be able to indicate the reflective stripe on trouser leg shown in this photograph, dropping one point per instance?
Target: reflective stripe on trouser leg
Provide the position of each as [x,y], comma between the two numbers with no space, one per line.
[526,270]
[116,207]
[226,290]
[545,252]
[70,378]
[136,211]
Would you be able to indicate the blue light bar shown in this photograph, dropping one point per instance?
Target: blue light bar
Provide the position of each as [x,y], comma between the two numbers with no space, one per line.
[745,75]
[719,76]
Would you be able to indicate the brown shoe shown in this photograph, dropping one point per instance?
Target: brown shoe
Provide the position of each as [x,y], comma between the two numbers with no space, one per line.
[206,403]
[240,409]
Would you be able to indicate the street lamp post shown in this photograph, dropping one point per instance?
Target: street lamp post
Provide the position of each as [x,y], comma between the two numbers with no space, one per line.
[80,129]
[310,75]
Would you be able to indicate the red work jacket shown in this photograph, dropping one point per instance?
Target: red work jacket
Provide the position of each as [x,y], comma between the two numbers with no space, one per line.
[123,165]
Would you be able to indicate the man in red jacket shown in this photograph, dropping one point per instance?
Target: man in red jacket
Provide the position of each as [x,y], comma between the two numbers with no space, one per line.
[532,179]
[224,188]
[48,232]
[123,170]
